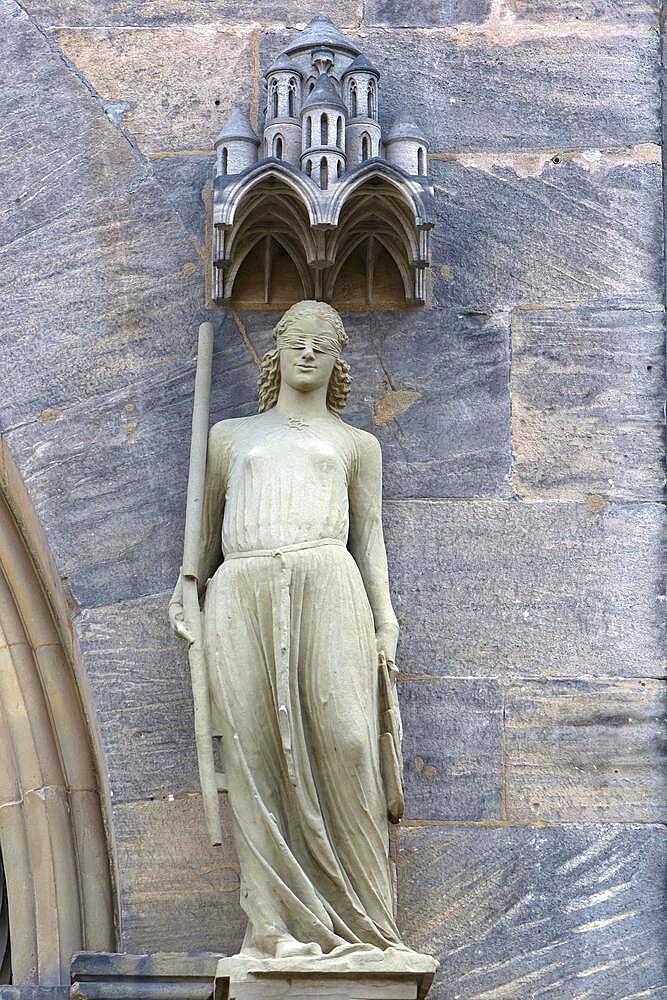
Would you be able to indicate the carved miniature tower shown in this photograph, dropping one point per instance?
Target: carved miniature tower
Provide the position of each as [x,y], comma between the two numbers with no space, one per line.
[282,129]
[323,126]
[360,87]
[236,144]
[406,147]
[327,205]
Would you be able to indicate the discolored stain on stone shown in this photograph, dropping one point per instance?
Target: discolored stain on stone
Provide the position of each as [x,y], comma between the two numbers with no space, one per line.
[569,912]
[587,750]
[175,890]
[595,503]
[179,83]
[588,391]
[489,588]
[393,404]
[451,748]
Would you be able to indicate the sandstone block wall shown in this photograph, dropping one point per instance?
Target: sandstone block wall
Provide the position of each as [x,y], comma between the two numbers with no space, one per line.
[522,424]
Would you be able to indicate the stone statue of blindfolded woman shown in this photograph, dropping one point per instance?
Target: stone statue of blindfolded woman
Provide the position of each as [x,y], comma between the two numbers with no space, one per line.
[297,613]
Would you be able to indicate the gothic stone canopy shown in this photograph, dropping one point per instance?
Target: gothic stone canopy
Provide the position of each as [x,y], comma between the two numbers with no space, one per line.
[324,205]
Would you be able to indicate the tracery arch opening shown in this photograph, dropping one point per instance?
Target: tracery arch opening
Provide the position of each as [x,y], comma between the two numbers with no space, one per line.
[353,99]
[370,99]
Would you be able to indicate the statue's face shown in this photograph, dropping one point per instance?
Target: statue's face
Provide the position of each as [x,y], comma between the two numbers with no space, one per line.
[306,354]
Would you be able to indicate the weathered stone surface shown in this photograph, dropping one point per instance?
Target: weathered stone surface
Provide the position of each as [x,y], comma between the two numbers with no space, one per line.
[171,87]
[451,749]
[176,892]
[183,180]
[106,976]
[507,88]
[42,179]
[140,680]
[582,751]
[88,244]
[541,15]
[433,385]
[626,12]
[153,13]
[588,390]
[124,459]
[99,318]
[568,912]
[428,13]
[522,228]
[487,587]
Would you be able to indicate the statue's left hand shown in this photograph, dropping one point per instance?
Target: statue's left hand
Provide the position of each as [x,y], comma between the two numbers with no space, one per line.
[386,639]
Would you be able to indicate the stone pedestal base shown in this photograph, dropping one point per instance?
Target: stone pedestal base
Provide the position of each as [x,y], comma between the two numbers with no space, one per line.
[312,987]
[390,975]
[354,977]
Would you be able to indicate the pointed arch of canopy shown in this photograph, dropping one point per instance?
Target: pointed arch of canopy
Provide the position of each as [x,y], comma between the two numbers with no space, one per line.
[319,227]
[228,197]
[417,197]
[52,836]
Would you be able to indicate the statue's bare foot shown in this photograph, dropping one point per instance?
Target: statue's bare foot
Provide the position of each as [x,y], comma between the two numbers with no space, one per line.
[290,948]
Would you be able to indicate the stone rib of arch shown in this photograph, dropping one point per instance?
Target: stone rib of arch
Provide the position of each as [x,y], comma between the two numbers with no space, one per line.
[51,826]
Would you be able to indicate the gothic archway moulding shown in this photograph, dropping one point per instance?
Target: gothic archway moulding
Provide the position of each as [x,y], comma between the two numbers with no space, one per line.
[52,833]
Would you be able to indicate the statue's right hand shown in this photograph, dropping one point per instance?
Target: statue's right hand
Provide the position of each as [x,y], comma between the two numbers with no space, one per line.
[178,625]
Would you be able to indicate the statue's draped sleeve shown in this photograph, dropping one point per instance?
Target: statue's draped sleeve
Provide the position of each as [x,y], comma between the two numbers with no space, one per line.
[366,540]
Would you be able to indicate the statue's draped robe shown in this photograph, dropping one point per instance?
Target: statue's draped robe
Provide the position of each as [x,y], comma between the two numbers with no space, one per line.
[293,673]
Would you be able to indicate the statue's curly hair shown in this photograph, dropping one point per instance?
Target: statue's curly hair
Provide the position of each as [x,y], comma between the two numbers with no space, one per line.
[340,383]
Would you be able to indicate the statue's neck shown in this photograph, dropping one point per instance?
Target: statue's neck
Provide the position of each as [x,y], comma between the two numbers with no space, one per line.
[293,403]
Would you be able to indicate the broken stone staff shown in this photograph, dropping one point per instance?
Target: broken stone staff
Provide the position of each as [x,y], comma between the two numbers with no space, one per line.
[190,570]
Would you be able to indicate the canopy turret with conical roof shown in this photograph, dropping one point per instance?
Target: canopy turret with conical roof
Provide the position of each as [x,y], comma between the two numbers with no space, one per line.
[361,65]
[406,147]
[282,64]
[323,95]
[283,81]
[236,144]
[322,33]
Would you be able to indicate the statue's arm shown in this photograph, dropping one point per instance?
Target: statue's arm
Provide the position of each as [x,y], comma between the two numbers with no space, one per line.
[210,551]
[366,541]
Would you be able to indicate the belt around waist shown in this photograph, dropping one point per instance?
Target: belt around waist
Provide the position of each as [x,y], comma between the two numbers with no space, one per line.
[280,550]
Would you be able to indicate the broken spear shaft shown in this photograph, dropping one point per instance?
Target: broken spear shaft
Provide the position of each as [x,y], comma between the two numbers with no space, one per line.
[190,570]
